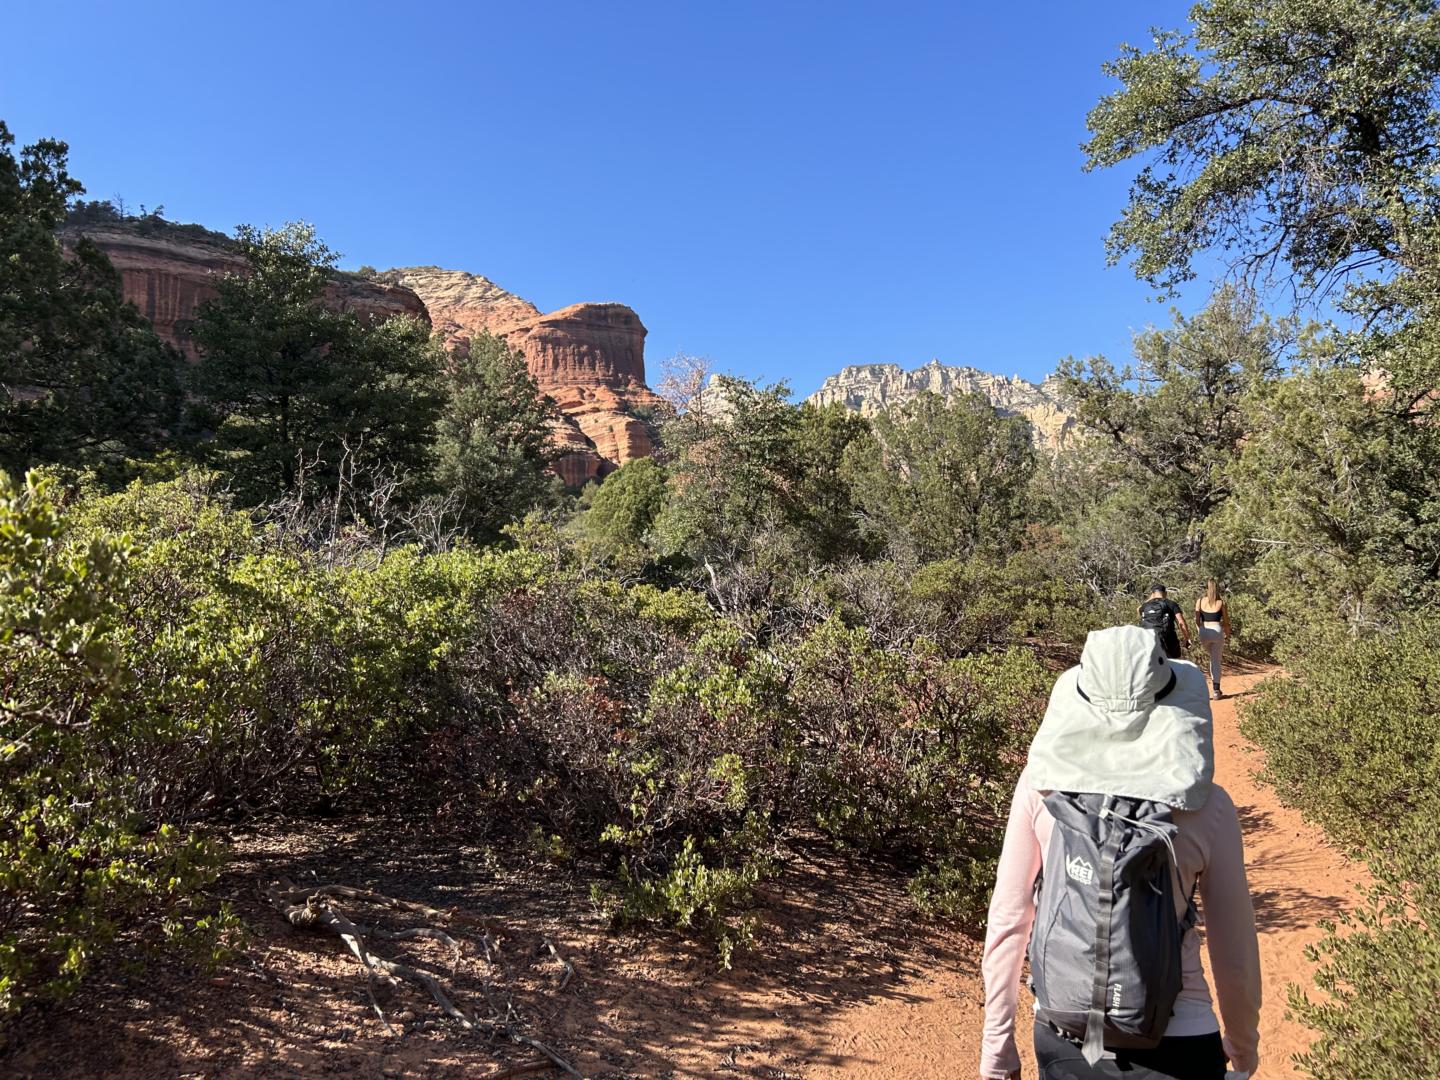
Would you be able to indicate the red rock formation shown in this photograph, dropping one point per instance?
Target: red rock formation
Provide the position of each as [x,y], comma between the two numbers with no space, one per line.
[168,271]
[461,304]
[589,357]
[373,300]
[585,345]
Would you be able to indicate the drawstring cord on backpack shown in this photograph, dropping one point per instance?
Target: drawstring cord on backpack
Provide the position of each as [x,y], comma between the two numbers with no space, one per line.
[1155,830]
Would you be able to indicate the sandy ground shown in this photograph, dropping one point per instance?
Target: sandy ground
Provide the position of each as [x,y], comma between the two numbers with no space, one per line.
[843,982]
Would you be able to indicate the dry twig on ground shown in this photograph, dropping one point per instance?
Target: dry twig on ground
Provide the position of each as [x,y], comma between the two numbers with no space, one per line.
[317,907]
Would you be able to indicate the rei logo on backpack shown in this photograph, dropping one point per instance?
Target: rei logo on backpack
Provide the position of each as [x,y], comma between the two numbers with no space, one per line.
[1105,952]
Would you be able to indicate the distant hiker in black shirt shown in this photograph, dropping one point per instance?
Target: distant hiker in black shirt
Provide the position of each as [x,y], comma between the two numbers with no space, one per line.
[1163,615]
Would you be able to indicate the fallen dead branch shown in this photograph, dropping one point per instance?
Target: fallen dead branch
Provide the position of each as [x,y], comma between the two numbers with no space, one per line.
[520,1070]
[569,967]
[295,893]
[317,908]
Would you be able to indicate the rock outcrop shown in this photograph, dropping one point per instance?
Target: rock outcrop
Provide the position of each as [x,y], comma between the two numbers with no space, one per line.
[589,357]
[461,304]
[167,271]
[872,388]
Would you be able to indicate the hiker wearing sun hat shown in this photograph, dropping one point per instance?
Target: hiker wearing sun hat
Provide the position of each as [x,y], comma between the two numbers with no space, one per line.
[1117,817]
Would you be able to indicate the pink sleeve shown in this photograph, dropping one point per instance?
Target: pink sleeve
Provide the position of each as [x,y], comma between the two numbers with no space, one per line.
[1007,933]
[1231,938]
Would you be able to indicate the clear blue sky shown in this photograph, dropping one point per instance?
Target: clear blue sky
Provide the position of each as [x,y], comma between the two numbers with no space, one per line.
[783,188]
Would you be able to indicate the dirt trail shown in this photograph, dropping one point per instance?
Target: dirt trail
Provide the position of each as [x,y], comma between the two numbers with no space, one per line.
[1296,879]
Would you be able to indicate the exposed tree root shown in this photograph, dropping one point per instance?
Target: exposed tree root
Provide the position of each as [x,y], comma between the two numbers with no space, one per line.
[316,908]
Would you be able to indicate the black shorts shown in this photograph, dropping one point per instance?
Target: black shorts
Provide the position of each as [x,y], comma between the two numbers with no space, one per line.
[1178,1057]
[1171,643]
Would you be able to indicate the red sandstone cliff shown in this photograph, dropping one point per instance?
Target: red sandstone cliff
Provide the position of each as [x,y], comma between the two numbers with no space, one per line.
[167,272]
[589,357]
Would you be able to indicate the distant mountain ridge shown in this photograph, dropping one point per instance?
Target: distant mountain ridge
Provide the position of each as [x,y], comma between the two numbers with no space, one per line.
[872,388]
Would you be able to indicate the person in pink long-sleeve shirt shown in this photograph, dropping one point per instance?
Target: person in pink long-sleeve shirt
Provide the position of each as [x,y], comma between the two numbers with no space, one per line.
[1208,849]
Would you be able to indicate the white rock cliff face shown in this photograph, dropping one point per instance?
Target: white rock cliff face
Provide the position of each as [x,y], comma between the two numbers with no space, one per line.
[872,388]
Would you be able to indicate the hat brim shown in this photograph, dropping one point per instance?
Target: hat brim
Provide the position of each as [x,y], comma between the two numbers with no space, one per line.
[1161,751]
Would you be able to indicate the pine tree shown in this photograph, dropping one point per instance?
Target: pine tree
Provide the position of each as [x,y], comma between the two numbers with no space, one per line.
[84,380]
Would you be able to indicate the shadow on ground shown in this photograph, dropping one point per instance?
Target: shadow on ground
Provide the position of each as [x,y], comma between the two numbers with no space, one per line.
[834,933]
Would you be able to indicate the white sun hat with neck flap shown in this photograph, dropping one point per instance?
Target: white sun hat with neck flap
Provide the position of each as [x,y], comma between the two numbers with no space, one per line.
[1127,721]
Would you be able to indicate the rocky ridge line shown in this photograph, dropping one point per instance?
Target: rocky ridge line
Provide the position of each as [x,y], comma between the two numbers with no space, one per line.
[872,388]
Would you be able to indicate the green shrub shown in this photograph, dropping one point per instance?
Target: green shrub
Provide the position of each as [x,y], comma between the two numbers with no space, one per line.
[77,864]
[1379,971]
[689,894]
[955,888]
[1352,737]
[171,660]
[1352,732]
[905,749]
[205,940]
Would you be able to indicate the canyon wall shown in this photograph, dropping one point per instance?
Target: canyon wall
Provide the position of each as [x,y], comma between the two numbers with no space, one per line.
[589,357]
[170,270]
[872,388]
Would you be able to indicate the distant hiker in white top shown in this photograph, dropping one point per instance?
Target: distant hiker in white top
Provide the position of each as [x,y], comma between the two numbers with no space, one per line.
[1212,620]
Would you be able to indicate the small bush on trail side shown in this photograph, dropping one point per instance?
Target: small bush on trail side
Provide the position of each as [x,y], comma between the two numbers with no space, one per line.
[954,888]
[689,894]
[1352,737]
[1379,970]
[1352,733]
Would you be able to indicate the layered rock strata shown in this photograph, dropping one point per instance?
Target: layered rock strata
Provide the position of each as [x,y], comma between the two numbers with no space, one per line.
[872,388]
[169,272]
[589,357]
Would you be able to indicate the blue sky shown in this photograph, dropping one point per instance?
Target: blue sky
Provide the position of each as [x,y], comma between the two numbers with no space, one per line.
[782,188]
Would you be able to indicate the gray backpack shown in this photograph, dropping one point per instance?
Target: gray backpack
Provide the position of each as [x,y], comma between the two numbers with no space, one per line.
[1105,951]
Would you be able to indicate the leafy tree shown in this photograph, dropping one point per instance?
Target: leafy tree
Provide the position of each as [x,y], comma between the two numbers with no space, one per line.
[1171,423]
[288,386]
[1294,131]
[944,478]
[823,500]
[1336,504]
[494,443]
[733,460]
[756,479]
[624,508]
[85,380]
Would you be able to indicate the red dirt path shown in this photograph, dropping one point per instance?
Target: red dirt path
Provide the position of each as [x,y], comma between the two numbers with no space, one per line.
[1296,878]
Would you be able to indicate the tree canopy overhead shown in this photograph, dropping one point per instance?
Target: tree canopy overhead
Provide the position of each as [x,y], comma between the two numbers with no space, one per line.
[1299,133]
